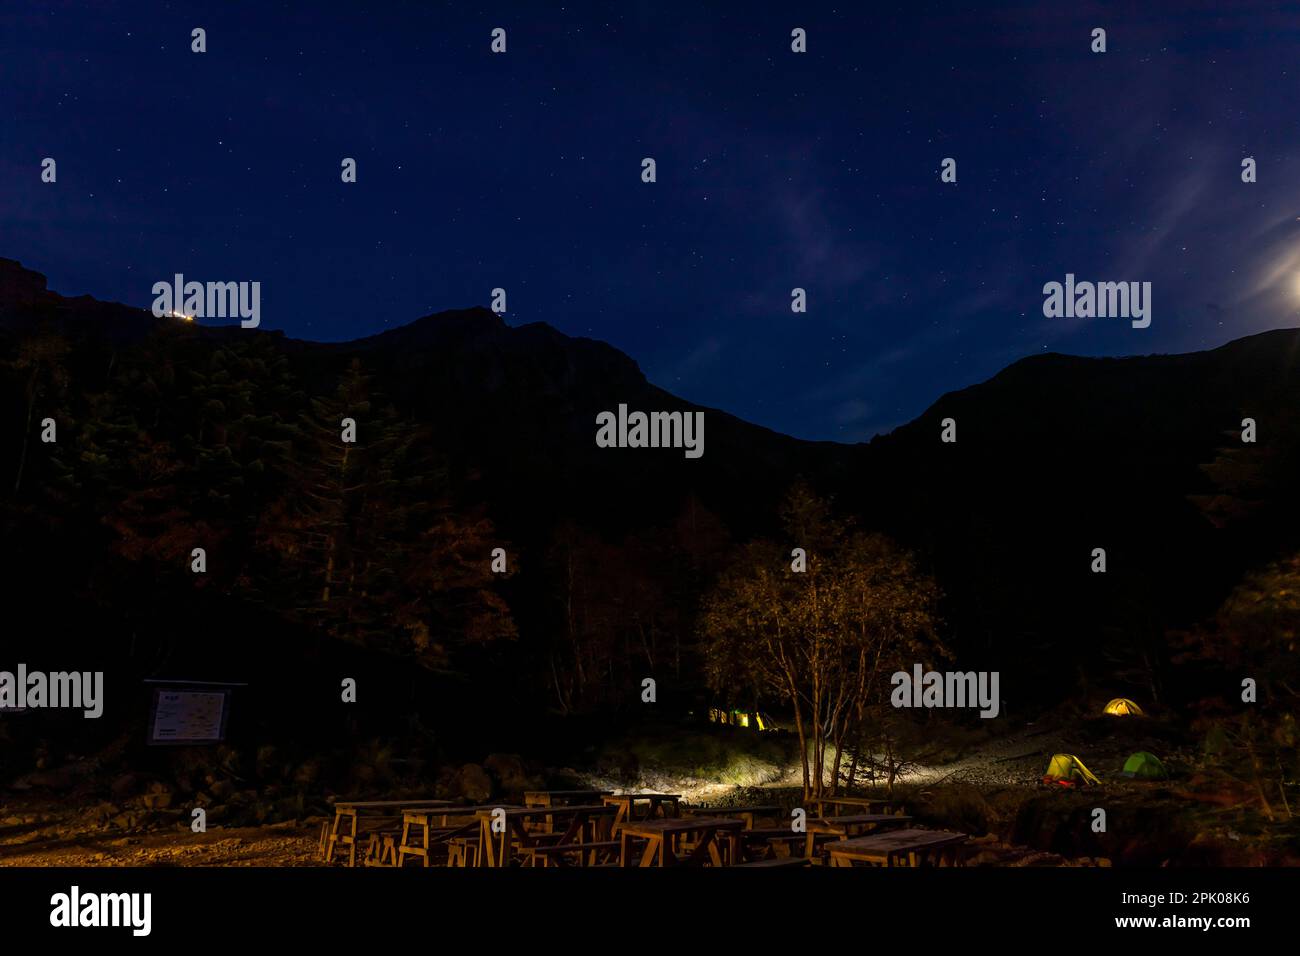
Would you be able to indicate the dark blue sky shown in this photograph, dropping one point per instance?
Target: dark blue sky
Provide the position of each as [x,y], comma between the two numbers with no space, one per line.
[775,170]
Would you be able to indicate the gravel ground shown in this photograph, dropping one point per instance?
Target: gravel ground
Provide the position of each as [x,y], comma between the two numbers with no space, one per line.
[43,836]
[38,831]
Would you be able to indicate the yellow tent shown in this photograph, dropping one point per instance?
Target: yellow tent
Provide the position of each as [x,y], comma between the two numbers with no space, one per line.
[1068,771]
[741,718]
[1123,707]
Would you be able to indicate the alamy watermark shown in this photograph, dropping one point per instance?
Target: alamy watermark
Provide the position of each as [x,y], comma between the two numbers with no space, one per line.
[1101,300]
[651,430]
[75,908]
[951,689]
[209,300]
[36,689]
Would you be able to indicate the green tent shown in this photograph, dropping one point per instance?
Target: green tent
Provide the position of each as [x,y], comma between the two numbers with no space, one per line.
[1067,770]
[1145,766]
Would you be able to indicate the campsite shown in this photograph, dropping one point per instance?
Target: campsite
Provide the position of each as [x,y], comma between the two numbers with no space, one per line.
[457,623]
[1026,798]
[359,514]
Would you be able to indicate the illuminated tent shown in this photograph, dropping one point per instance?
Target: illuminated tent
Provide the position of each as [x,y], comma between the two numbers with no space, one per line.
[753,719]
[1123,707]
[1144,766]
[1067,770]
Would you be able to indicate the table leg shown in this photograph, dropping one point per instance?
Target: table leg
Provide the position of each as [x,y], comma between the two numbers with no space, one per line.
[669,849]
[333,839]
[428,824]
[486,843]
[714,848]
[653,848]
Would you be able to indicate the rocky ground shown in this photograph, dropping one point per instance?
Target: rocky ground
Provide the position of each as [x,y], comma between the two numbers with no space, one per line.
[1015,759]
[36,833]
[1019,758]
[979,784]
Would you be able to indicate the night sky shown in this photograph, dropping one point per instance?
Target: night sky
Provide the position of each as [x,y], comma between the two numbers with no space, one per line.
[775,170]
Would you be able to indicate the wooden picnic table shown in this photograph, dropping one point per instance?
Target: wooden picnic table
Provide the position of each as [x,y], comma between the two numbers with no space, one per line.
[682,841]
[898,848]
[586,828]
[859,804]
[761,843]
[856,824]
[347,821]
[740,813]
[849,825]
[434,828]
[665,806]
[560,798]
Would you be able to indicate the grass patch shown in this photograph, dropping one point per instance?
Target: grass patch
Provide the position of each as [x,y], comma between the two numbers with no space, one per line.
[734,756]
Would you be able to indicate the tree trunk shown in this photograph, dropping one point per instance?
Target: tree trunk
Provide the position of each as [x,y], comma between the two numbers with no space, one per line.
[803,737]
[836,740]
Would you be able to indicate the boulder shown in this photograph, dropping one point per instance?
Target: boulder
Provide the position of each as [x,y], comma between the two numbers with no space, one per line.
[125,821]
[268,761]
[508,769]
[125,786]
[221,789]
[473,783]
[51,779]
[105,812]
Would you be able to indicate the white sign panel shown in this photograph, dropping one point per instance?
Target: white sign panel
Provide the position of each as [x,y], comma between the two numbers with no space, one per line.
[188,716]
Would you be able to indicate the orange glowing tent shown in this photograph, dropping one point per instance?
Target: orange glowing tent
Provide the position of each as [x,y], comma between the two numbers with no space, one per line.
[1123,707]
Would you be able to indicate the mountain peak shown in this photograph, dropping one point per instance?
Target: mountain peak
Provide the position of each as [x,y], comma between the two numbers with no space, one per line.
[436,329]
[20,286]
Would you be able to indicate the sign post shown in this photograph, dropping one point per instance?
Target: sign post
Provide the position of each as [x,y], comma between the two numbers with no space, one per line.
[189,712]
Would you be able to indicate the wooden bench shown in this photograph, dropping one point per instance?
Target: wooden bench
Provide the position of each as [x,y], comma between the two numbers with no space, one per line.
[754,845]
[434,846]
[587,854]
[463,851]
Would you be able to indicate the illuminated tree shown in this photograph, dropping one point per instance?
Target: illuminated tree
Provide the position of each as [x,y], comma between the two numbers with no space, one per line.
[819,639]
